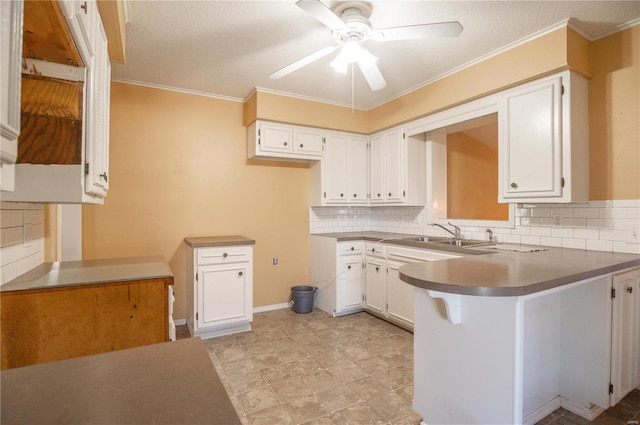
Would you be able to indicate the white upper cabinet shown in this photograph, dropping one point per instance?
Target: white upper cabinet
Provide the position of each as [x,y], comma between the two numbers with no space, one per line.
[357,169]
[342,175]
[11,51]
[543,141]
[334,169]
[397,169]
[80,172]
[267,140]
[97,150]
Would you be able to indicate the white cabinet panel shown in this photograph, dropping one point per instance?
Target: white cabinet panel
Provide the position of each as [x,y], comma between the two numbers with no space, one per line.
[375,285]
[395,165]
[544,141]
[334,171]
[219,290]
[284,142]
[10,73]
[531,125]
[222,295]
[307,141]
[624,341]
[399,295]
[349,283]
[377,170]
[357,169]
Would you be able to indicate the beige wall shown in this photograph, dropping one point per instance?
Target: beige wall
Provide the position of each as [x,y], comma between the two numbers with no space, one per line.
[178,169]
[472,180]
[614,117]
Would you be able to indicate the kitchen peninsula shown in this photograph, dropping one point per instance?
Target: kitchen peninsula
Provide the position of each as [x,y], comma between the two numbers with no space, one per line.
[511,336]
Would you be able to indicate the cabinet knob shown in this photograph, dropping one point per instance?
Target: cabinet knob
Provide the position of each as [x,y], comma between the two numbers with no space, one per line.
[373,250]
[377,268]
[83,6]
[355,195]
[349,267]
[353,248]
[630,289]
[389,193]
[514,185]
[240,274]
[301,145]
[379,195]
[285,143]
[225,255]
[104,176]
[342,195]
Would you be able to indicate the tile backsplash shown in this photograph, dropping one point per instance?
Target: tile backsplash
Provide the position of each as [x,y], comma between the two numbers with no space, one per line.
[21,238]
[596,225]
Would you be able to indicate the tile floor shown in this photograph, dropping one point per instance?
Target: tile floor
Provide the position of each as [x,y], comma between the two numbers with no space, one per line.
[314,369]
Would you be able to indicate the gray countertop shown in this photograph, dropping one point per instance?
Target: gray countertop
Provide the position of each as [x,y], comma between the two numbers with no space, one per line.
[213,241]
[491,272]
[71,273]
[167,383]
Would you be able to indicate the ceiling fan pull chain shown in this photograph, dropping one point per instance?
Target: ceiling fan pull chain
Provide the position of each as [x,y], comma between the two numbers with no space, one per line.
[352,92]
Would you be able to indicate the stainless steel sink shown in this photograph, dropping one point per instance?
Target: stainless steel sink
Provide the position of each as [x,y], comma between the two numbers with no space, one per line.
[428,239]
[462,242]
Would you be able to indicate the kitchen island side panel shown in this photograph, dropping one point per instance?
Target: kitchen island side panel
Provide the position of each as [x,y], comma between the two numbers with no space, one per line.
[465,373]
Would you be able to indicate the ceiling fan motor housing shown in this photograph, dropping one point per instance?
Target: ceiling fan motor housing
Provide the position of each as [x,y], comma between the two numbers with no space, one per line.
[355,16]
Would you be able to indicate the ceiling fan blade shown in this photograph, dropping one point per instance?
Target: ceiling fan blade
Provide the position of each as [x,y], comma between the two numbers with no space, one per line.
[302,62]
[372,74]
[414,32]
[322,13]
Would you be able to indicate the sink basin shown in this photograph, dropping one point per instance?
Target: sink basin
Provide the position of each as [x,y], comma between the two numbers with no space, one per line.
[461,242]
[428,239]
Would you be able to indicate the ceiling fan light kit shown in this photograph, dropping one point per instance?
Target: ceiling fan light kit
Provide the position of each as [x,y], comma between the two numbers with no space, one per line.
[350,26]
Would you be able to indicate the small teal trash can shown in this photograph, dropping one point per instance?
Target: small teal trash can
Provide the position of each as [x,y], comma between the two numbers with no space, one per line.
[302,298]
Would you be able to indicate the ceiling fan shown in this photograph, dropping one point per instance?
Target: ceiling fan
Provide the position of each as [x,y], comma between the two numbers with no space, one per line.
[349,23]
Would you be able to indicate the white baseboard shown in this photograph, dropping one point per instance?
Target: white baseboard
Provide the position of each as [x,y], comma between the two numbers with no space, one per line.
[589,413]
[271,307]
[542,412]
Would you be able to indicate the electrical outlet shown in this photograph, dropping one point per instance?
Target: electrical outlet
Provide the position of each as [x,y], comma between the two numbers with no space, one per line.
[557,221]
[275,261]
[633,232]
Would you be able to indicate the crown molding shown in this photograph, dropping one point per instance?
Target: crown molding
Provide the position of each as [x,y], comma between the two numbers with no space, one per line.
[176,89]
[301,97]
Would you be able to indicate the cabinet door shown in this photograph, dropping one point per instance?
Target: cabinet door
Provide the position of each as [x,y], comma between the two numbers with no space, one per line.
[97,130]
[222,295]
[349,290]
[11,43]
[307,141]
[86,14]
[377,170]
[624,341]
[374,285]
[399,295]
[395,160]
[530,143]
[357,169]
[276,138]
[335,169]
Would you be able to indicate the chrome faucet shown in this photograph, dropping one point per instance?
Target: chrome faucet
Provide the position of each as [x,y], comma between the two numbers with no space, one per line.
[455,234]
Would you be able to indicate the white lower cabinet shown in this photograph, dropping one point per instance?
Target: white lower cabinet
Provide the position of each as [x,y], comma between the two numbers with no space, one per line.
[219,289]
[625,335]
[352,276]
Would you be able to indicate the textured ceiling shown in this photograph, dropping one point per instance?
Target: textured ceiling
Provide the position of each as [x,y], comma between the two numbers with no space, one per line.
[228,48]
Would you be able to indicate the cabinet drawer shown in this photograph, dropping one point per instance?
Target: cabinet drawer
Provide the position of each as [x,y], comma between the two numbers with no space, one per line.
[349,248]
[372,249]
[231,254]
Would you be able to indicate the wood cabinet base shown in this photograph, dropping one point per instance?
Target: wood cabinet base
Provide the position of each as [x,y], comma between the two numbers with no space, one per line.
[49,324]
